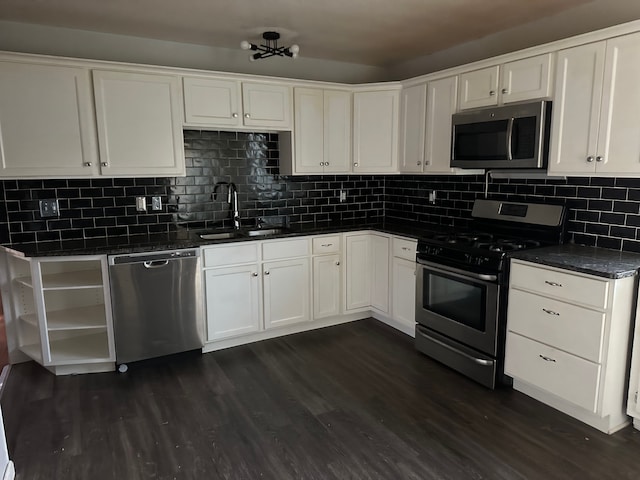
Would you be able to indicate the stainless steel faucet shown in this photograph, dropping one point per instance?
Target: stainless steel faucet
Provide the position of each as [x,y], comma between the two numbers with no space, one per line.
[232,200]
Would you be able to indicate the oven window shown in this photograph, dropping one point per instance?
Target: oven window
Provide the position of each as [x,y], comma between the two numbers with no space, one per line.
[455,300]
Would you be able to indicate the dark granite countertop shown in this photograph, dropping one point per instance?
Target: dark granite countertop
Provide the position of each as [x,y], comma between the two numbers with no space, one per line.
[597,261]
[190,239]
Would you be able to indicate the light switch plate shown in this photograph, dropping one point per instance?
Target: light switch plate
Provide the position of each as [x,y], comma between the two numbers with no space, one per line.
[49,208]
[141,204]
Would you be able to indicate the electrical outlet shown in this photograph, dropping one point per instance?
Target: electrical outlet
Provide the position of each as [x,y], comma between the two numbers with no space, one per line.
[49,208]
[343,196]
[432,197]
[141,204]
[156,203]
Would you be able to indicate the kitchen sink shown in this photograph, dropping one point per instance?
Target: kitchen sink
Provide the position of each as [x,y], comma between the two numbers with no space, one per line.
[264,231]
[219,235]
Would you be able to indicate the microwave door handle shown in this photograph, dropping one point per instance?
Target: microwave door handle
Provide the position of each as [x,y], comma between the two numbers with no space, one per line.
[510,138]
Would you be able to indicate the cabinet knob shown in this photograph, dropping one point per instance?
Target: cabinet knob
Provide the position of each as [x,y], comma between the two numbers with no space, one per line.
[326,164]
[505,91]
[254,274]
[590,159]
[599,159]
[355,164]
[418,163]
[234,115]
[87,164]
[104,164]
[266,272]
[492,93]
[338,263]
[246,115]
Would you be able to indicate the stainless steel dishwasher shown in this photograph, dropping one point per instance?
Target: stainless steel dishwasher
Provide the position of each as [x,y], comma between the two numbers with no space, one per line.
[156,300]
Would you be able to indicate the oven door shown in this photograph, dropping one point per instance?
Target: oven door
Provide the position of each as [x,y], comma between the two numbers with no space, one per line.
[458,304]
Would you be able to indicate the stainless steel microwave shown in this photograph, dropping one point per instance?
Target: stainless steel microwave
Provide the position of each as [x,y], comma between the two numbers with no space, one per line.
[511,136]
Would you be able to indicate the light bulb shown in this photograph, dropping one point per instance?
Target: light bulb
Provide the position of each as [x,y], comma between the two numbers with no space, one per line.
[294,55]
[295,49]
[244,45]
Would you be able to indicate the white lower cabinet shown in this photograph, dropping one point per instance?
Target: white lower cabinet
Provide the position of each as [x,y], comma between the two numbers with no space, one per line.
[380,272]
[403,282]
[357,271]
[568,341]
[233,301]
[326,286]
[60,313]
[286,292]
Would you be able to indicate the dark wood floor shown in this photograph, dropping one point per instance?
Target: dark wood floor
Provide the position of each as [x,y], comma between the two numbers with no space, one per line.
[348,402]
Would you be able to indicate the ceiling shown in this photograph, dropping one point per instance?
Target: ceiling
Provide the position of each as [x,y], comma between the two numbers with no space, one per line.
[369,32]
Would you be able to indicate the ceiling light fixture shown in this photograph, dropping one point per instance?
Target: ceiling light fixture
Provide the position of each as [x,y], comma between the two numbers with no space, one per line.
[270,48]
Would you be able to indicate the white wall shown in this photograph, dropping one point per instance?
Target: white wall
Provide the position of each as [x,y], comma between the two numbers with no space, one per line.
[29,38]
[592,16]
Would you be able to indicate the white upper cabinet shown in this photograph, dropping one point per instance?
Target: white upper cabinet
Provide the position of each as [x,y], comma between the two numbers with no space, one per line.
[211,102]
[479,88]
[47,126]
[516,81]
[214,102]
[322,131]
[375,131]
[139,124]
[413,102]
[595,126]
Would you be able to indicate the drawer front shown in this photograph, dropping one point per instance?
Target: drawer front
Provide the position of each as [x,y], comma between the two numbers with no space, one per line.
[230,254]
[564,375]
[329,244]
[566,286]
[285,249]
[561,325]
[403,248]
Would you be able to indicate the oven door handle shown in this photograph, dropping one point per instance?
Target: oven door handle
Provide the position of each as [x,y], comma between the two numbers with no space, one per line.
[462,273]
[479,361]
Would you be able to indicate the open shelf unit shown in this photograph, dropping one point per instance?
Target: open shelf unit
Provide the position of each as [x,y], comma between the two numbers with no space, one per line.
[63,309]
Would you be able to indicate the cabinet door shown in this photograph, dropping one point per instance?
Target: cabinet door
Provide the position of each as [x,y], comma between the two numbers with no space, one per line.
[576,109]
[211,102]
[404,291]
[441,104]
[375,131]
[358,272]
[309,130]
[380,273]
[266,105]
[286,292]
[526,79]
[619,134]
[337,131]
[479,88]
[232,297]
[326,286]
[46,121]
[412,127]
[139,124]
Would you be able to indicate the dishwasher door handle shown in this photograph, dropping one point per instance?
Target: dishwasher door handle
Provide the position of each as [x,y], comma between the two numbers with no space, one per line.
[156,263]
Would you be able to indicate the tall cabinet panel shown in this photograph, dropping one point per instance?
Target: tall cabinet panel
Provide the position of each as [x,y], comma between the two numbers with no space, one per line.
[412,128]
[139,119]
[46,121]
[337,131]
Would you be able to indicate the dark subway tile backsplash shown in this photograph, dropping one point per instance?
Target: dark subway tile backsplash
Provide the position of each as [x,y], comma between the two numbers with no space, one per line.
[604,211]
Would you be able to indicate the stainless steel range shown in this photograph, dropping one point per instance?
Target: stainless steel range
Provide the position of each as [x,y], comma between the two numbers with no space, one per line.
[462,283]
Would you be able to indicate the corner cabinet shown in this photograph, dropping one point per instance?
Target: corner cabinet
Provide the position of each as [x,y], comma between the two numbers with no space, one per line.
[375,131]
[366,271]
[139,124]
[218,102]
[62,312]
[595,114]
[47,125]
[568,341]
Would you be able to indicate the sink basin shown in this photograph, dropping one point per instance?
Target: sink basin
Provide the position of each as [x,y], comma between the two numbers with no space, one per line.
[263,231]
[219,235]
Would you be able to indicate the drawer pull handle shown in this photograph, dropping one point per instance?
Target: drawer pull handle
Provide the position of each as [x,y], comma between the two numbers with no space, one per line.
[326,244]
[553,284]
[406,249]
[550,312]
[547,359]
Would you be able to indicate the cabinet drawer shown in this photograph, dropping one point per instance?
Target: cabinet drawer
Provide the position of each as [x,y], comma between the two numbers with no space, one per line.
[231,254]
[403,248]
[566,376]
[562,325]
[285,249]
[567,286]
[326,244]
